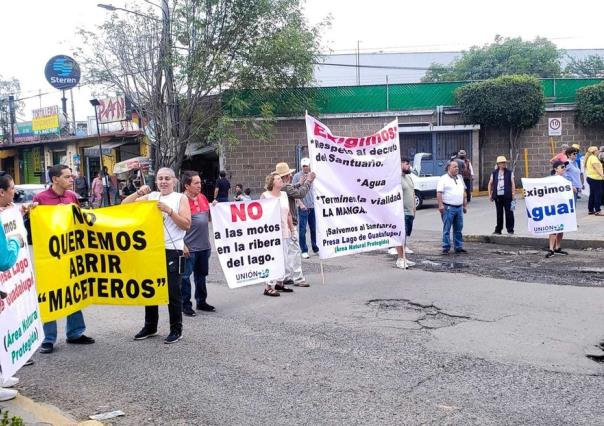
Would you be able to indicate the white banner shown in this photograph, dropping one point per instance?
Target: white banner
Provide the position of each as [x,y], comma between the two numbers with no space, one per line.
[20,325]
[249,241]
[550,205]
[358,193]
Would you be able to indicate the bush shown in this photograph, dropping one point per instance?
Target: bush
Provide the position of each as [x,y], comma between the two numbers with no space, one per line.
[590,105]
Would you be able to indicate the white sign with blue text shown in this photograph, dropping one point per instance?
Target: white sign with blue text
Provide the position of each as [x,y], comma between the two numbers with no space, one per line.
[550,205]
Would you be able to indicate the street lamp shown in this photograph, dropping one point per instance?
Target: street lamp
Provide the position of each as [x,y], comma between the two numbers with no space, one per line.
[113,8]
[95,103]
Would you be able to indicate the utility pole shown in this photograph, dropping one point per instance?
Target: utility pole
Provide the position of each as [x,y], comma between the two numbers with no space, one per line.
[358,62]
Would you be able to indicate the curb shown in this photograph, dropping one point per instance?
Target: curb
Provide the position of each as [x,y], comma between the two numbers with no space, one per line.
[31,410]
[532,241]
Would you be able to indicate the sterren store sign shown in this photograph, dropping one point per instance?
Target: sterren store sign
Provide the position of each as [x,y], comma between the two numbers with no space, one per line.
[62,72]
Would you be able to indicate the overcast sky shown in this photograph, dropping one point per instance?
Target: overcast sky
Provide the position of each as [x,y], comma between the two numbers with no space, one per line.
[32,31]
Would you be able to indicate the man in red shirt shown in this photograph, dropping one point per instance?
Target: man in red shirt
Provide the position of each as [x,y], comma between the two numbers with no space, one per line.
[59,193]
[197,246]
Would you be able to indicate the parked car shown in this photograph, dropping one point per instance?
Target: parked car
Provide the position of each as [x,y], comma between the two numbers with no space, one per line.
[25,194]
[425,184]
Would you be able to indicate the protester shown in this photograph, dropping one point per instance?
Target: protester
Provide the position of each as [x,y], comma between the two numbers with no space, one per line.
[595,180]
[306,211]
[238,192]
[502,191]
[96,191]
[294,192]
[467,172]
[197,247]
[572,172]
[580,155]
[177,220]
[560,156]
[409,210]
[80,185]
[452,204]
[555,240]
[59,193]
[247,194]
[274,185]
[9,251]
[221,192]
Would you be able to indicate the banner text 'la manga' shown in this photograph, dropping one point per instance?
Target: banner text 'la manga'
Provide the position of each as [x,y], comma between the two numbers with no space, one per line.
[109,256]
[358,194]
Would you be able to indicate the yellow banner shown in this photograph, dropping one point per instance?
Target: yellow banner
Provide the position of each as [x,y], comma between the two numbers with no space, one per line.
[45,123]
[109,256]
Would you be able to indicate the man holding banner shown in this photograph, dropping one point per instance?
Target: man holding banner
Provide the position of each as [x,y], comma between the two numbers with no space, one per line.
[58,193]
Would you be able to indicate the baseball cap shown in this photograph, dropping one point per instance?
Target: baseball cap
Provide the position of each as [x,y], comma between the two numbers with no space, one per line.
[305,161]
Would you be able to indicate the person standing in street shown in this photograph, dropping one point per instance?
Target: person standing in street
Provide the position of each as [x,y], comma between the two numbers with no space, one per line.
[176,216]
[409,210]
[467,172]
[96,192]
[572,172]
[294,273]
[306,211]
[197,247]
[502,191]
[223,186]
[595,179]
[555,240]
[80,185]
[452,204]
[59,193]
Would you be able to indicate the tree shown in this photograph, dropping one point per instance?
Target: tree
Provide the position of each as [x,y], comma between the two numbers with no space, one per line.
[176,69]
[591,66]
[590,105]
[8,87]
[539,58]
[512,103]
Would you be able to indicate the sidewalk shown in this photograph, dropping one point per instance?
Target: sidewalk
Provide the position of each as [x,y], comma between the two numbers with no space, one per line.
[479,224]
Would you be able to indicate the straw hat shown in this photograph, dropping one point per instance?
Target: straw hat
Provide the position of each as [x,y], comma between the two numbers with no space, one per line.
[576,146]
[282,169]
[501,159]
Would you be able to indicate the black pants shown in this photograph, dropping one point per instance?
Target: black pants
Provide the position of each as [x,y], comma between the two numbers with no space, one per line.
[174,297]
[501,205]
[595,195]
[468,183]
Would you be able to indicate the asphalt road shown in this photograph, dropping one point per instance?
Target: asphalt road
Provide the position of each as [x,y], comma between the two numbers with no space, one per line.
[374,345]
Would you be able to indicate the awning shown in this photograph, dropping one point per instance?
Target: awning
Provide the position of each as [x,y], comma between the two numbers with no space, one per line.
[136,163]
[93,151]
[5,153]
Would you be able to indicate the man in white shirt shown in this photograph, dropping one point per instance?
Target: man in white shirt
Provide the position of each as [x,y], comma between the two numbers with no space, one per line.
[452,204]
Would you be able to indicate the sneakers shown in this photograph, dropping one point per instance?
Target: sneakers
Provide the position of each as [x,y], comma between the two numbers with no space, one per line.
[408,250]
[402,264]
[392,251]
[301,284]
[9,382]
[549,254]
[305,256]
[496,232]
[46,348]
[188,312]
[7,394]
[460,250]
[562,252]
[145,333]
[173,337]
[445,252]
[205,307]
[82,340]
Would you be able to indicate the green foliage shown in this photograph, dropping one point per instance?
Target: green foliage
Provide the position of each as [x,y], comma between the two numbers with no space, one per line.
[12,421]
[8,87]
[539,58]
[514,101]
[591,66]
[590,105]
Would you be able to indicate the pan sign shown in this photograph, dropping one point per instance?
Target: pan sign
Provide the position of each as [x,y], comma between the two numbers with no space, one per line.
[554,127]
[62,72]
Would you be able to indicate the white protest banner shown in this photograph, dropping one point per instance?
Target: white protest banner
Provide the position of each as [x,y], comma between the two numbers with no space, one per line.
[358,194]
[550,205]
[248,239]
[20,325]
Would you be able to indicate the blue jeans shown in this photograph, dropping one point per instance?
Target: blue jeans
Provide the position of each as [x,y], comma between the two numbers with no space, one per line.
[452,216]
[75,328]
[307,216]
[197,264]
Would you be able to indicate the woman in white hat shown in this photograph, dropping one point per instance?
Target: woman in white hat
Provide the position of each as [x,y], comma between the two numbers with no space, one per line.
[502,191]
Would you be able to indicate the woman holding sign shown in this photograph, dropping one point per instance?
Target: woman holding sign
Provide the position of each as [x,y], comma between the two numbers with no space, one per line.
[555,240]
[273,186]
[177,220]
[9,250]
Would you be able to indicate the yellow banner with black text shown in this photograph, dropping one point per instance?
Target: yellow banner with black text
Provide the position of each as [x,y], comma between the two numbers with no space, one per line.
[109,256]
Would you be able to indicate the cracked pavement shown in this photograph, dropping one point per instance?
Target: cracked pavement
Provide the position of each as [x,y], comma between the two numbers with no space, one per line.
[374,345]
